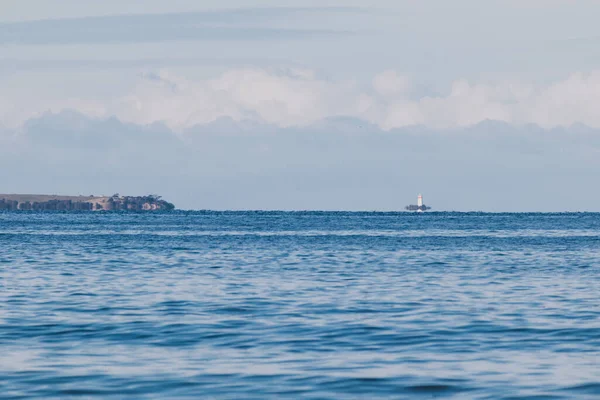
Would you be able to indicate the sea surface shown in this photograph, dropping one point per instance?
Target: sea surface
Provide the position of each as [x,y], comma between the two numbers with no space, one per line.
[315,305]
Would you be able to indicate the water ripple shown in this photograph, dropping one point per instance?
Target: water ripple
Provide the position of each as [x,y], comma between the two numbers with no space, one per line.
[311,304]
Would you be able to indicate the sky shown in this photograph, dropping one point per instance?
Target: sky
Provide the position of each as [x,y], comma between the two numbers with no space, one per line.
[304,105]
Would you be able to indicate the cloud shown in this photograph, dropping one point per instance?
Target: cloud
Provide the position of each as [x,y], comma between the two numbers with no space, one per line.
[281,97]
[45,64]
[390,83]
[14,112]
[332,164]
[562,103]
[235,24]
[299,97]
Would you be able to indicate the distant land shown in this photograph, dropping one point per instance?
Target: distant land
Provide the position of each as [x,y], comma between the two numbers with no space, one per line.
[41,202]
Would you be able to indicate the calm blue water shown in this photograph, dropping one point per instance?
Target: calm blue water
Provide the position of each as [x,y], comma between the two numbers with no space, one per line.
[299,305]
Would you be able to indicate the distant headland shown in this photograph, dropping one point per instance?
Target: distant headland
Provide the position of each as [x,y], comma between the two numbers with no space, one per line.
[35,202]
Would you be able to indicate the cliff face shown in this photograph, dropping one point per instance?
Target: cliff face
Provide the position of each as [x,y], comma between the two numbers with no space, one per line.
[14,202]
[139,203]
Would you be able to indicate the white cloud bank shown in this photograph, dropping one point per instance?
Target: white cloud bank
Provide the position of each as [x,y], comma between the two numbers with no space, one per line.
[300,97]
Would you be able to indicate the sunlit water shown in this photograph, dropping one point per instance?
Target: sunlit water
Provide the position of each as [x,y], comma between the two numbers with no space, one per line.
[299,305]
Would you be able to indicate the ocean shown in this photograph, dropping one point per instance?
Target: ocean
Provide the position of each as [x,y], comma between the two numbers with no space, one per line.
[315,305]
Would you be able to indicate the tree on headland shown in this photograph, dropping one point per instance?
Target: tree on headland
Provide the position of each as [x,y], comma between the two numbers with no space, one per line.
[116,202]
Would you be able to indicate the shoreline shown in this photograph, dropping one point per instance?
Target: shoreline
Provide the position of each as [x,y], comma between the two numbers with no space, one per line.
[43,202]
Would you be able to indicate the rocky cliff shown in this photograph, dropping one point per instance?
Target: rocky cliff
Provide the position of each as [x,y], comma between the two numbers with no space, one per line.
[26,202]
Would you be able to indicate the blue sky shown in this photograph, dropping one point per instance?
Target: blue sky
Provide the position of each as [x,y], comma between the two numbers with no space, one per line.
[392,65]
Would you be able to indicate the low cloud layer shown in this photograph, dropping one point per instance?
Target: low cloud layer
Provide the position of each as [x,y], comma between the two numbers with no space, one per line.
[333,164]
[299,97]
